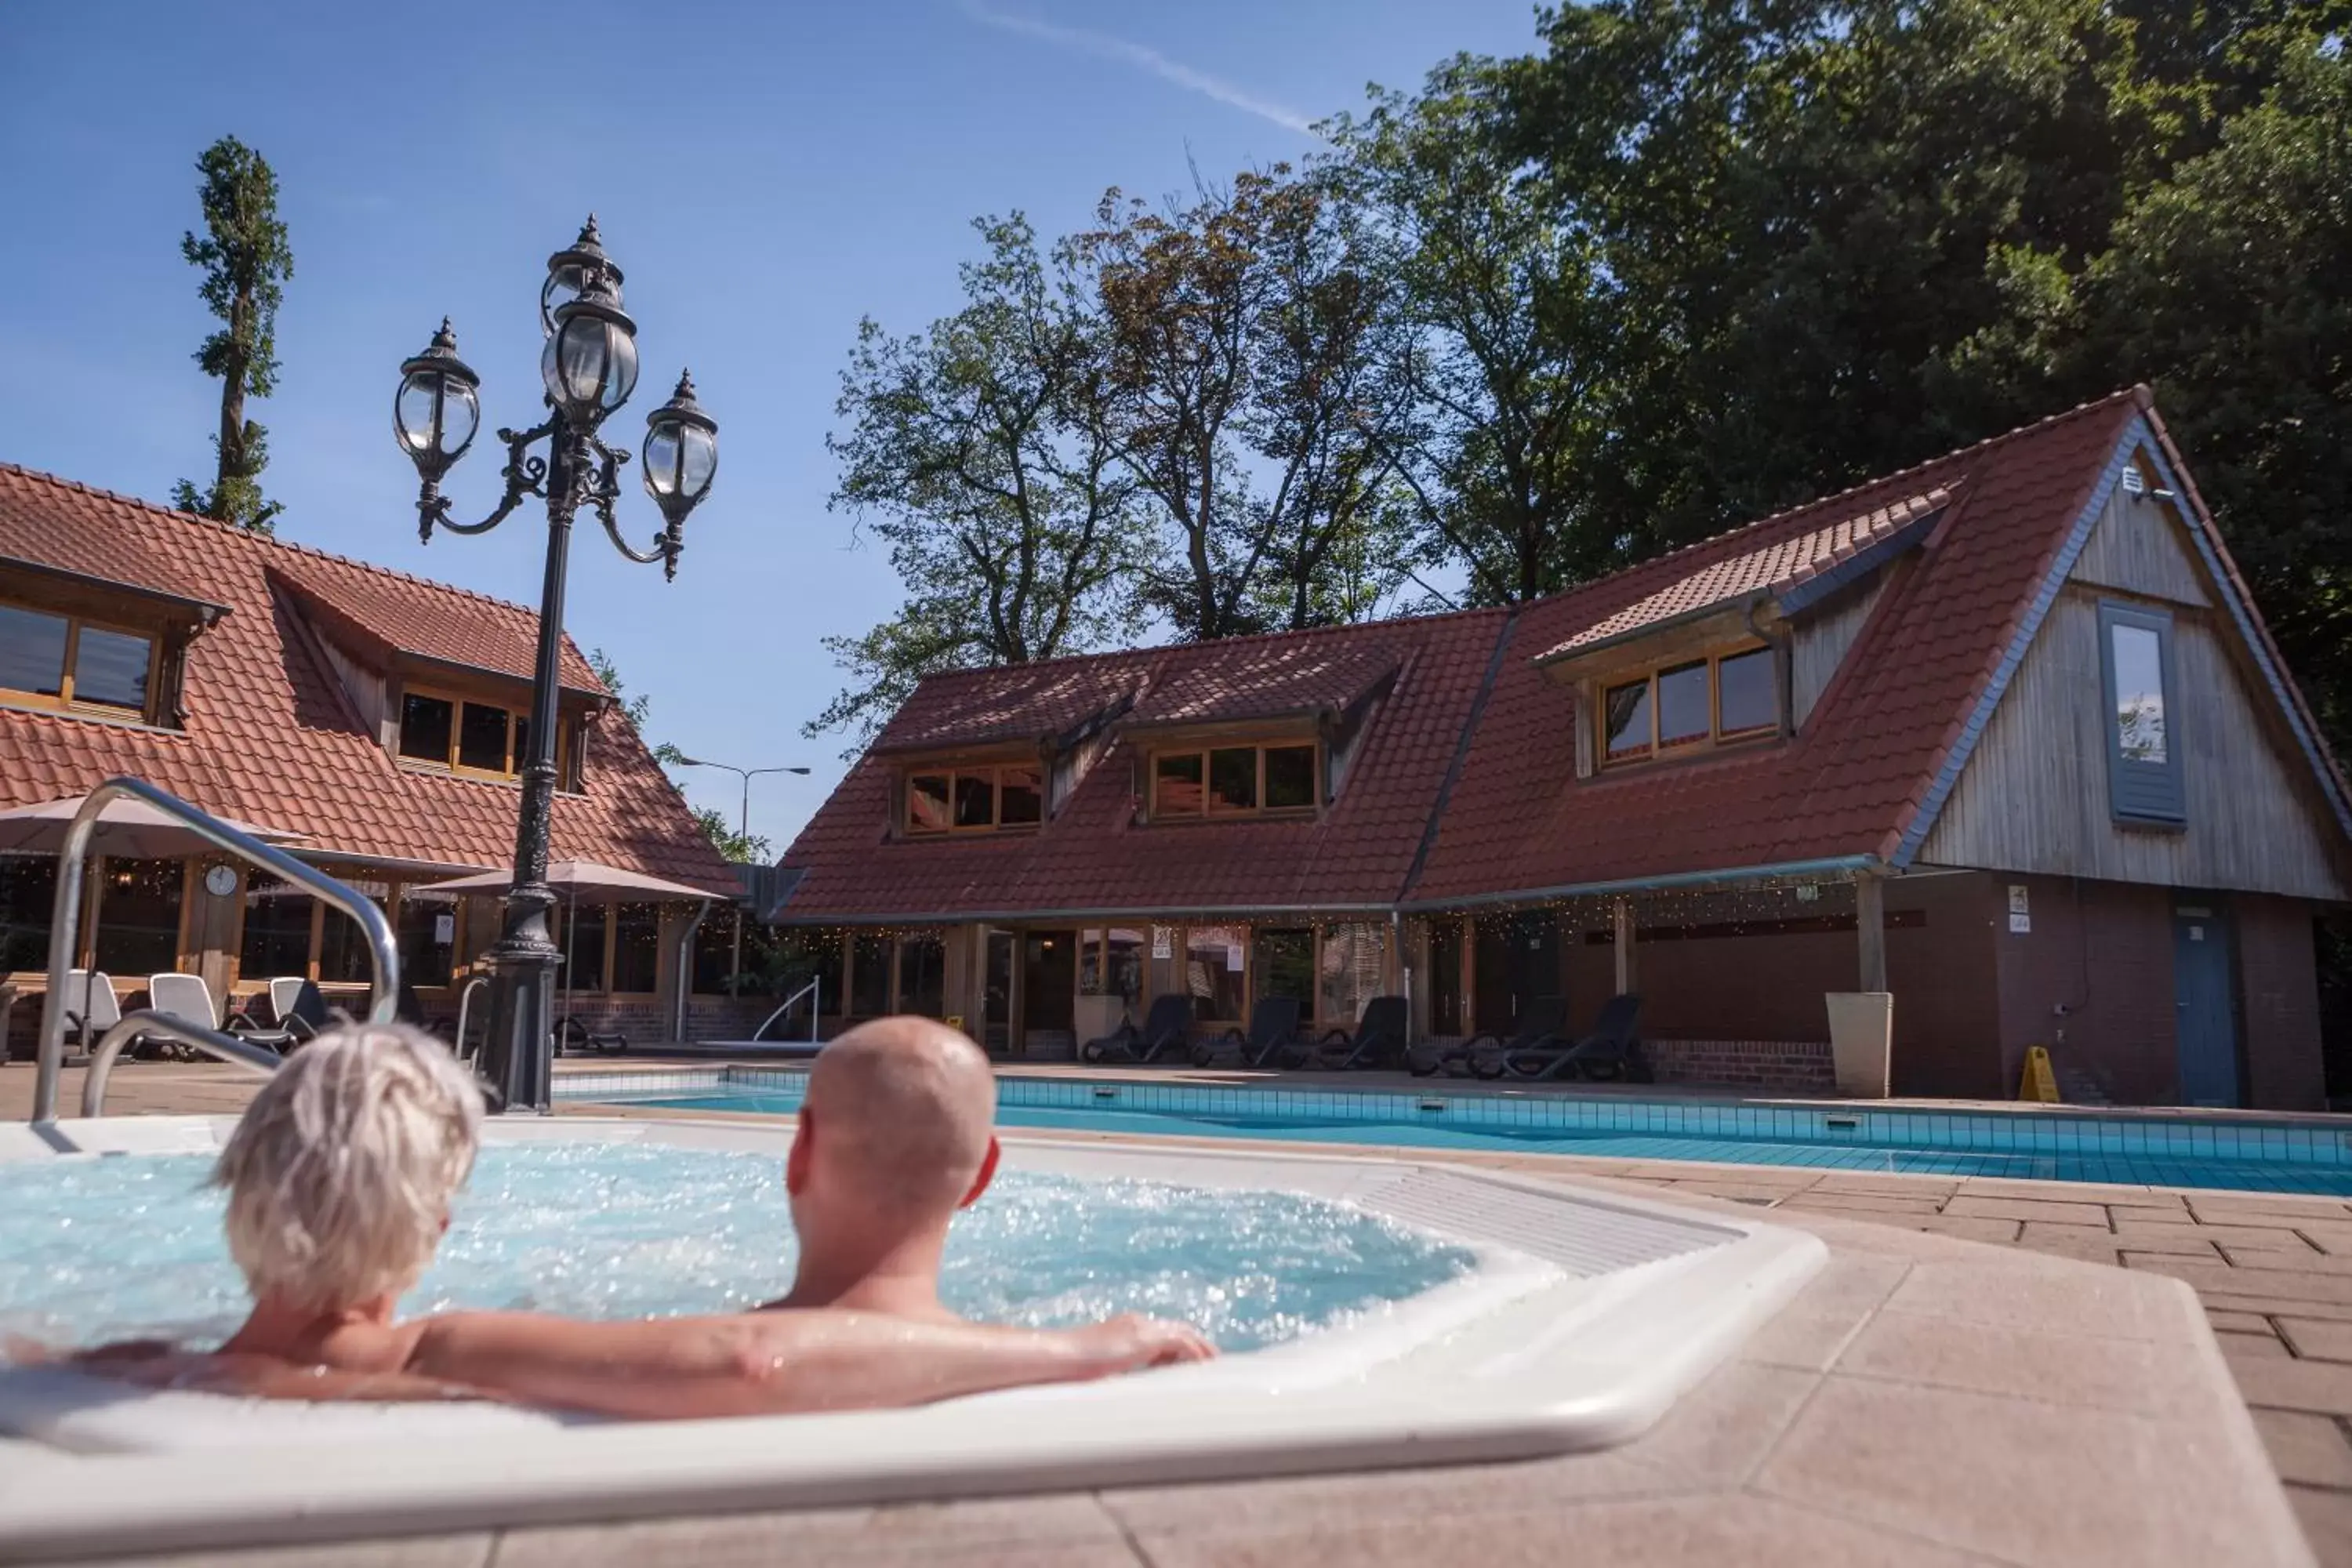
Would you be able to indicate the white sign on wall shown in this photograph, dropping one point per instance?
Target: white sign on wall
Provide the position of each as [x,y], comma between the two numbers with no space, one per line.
[1234,957]
[445,930]
[1164,941]
[2020,917]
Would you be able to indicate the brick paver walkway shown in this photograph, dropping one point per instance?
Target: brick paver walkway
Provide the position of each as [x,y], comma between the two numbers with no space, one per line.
[2275,1272]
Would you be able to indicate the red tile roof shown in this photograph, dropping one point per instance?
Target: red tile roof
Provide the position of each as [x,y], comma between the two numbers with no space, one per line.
[1517,823]
[411,616]
[1767,568]
[272,738]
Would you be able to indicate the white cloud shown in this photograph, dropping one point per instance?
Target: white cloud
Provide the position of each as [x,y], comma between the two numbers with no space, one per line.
[1105,46]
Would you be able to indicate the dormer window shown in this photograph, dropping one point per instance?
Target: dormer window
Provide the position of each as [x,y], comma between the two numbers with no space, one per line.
[1272,779]
[474,738]
[1719,698]
[70,662]
[979,797]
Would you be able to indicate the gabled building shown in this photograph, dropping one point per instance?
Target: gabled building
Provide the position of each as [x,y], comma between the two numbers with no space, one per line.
[376,719]
[2001,734]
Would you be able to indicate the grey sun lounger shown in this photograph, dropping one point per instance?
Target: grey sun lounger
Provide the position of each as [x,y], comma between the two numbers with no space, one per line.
[1167,1031]
[1540,1024]
[1273,1025]
[1613,1049]
[1378,1042]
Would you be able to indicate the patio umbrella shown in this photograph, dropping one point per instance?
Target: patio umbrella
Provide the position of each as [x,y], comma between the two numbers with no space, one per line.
[582,882]
[131,829]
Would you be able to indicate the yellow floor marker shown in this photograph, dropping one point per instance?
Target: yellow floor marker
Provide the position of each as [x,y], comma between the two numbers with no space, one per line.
[2039,1083]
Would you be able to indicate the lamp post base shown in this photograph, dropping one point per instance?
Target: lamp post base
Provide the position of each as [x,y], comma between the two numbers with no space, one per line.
[519,1053]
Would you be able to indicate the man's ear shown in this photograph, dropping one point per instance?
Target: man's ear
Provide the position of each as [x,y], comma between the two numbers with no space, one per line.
[987,1175]
[797,1163]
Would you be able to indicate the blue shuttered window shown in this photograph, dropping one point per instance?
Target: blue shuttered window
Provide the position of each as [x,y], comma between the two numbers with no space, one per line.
[2144,763]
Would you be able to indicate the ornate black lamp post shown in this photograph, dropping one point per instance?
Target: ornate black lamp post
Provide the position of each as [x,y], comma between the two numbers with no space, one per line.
[590,367]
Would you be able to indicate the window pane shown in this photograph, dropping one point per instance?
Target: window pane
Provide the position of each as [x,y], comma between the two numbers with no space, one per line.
[1354,962]
[2139,693]
[927,803]
[1285,965]
[482,738]
[138,917]
[1290,777]
[1681,705]
[714,952]
[342,946]
[923,975]
[32,651]
[870,975]
[1744,697]
[1124,960]
[428,937]
[1024,795]
[975,800]
[1176,789]
[277,939]
[1627,712]
[1214,972]
[29,891]
[1232,779]
[1090,965]
[110,667]
[581,933]
[424,725]
[636,948]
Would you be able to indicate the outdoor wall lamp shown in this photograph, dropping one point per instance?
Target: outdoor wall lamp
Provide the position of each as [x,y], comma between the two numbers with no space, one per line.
[589,368]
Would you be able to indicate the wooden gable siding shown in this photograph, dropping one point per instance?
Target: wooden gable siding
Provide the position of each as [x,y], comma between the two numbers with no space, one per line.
[370,693]
[2137,547]
[2033,795]
[1819,645]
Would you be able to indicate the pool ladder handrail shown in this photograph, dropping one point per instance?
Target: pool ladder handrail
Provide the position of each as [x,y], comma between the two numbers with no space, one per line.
[145,1024]
[65,920]
[815,991]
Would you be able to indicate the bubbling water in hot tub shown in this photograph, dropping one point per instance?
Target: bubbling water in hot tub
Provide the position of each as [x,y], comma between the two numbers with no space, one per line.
[105,1248]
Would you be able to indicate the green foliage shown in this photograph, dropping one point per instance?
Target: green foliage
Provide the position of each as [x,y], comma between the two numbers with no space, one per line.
[723,837]
[245,261]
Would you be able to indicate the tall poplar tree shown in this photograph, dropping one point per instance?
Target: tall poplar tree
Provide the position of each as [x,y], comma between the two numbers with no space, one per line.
[245,261]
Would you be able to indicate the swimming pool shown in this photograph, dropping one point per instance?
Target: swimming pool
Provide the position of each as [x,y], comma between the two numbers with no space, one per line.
[2236,1154]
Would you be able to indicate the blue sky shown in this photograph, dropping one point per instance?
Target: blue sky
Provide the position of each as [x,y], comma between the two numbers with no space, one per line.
[765,173]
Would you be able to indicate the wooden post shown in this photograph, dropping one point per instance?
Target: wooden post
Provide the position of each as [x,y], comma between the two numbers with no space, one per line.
[1624,917]
[1870,929]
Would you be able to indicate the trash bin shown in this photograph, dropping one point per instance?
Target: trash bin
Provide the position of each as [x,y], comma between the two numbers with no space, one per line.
[1861,1041]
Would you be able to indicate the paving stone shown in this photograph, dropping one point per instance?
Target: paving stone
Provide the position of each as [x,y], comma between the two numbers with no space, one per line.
[2102,1193]
[2154,1206]
[1970,1227]
[2317,1340]
[2310,1449]
[468,1551]
[2271,1306]
[2331,1237]
[2237,1322]
[1886,1184]
[2251,1347]
[1065,1532]
[2326,1517]
[1719,1432]
[1967,1205]
[1811,1331]
[2030,1482]
[2142,1376]
[2288,1209]
[2150,1236]
[1754,1532]
[2279,1284]
[1866,1204]
[2106,1301]
[2285,1383]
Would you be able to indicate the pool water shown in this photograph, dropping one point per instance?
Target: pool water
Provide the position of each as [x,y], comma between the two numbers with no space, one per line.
[2247,1156]
[93,1249]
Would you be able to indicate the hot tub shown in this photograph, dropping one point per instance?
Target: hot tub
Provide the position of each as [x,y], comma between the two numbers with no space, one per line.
[1551,1320]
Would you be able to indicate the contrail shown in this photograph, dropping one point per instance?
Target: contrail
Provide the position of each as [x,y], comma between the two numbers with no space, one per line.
[1105,46]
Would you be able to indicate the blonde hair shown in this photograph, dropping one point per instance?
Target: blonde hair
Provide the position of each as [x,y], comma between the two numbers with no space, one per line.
[340,1173]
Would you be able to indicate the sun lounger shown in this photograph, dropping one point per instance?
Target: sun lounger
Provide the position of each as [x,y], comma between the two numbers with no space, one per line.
[1167,1031]
[299,1012]
[1612,1051]
[1378,1042]
[1273,1025]
[574,1035]
[90,1008]
[1540,1022]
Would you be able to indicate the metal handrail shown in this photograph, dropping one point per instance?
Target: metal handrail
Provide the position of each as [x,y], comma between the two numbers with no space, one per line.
[383,952]
[145,1024]
[813,991]
[466,1007]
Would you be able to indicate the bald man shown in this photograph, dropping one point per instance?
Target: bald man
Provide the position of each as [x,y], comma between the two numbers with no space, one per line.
[897,1133]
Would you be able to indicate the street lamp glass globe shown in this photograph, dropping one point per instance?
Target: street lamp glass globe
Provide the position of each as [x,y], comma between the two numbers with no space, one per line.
[681,452]
[589,365]
[436,410]
[415,414]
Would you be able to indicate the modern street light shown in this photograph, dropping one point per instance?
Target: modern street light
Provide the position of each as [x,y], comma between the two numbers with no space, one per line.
[742,830]
[589,368]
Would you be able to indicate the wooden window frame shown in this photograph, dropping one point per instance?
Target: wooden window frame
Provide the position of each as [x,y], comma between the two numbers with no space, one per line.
[460,701]
[953,770]
[64,701]
[1209,810]
[1714,740]
[2142,793]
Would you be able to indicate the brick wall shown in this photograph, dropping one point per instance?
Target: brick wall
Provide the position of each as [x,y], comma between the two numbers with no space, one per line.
[2103,952]
[1791,1067]
[2278,993]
